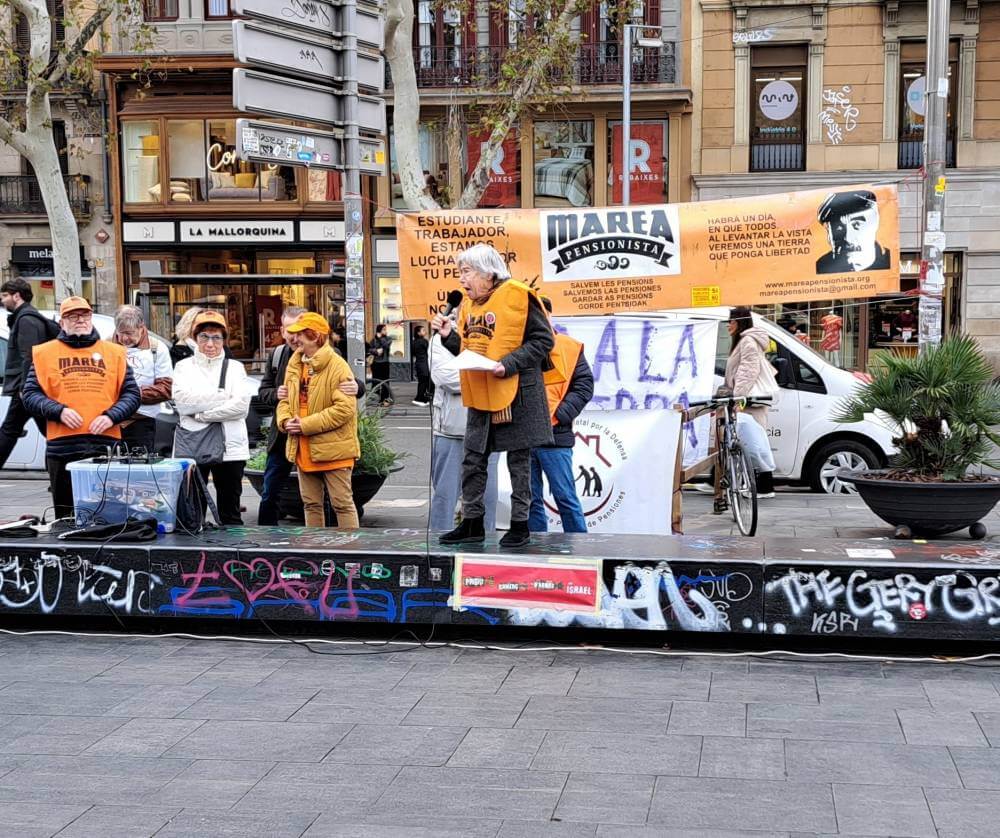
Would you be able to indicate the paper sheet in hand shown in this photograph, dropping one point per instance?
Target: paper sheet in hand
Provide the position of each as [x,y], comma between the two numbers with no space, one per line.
[469,360]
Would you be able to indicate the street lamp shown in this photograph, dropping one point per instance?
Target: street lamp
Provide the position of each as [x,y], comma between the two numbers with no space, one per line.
[643,40]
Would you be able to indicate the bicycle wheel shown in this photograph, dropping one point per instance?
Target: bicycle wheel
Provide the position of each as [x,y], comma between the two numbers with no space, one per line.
[742,490]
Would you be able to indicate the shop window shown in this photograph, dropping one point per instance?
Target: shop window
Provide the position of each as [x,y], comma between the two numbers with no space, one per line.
[185,147]
[564,163]
[504,188]
[778,107]
[141,162]
[912,103]
[218,9]
[433,160]
[324,186]
[231,179]
[648,162]
[159,10]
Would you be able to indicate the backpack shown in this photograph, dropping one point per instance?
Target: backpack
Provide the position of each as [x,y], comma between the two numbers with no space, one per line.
[52,328]
[192,501]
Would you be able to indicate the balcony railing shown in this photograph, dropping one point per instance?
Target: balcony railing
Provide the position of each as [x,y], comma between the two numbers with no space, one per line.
[911,151]
[21,195]
[599,63]
[777,152]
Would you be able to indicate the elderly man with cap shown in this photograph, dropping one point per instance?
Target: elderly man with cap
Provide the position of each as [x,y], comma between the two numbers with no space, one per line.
[83,388]
[851,220]
[321,421]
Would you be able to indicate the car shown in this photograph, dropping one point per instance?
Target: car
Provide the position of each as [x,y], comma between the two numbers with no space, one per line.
[808,446]
[29,453]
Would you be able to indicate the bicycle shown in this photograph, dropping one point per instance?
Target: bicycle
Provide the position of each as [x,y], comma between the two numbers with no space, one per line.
[734,472]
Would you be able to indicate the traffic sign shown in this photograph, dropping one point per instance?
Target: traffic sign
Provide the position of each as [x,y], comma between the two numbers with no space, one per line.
[265,93]
[319,17]
[289,145]
[295,54]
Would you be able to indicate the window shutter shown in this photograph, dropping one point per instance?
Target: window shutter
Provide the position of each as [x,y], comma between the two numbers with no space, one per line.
[57,16]
[22,36]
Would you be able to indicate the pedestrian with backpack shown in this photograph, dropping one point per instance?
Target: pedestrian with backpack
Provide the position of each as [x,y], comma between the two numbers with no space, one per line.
[28,328]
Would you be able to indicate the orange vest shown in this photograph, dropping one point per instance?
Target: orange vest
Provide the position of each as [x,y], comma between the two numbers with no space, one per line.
[564,357]
[88,380]
[493,329]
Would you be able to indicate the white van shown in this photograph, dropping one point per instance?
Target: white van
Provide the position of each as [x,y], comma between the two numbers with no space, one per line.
[809,447]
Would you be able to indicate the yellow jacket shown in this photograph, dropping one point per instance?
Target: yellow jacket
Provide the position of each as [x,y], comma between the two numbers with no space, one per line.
[331,426]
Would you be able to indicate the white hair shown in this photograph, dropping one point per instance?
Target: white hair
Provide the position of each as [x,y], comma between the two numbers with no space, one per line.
[484,259]
[129,317]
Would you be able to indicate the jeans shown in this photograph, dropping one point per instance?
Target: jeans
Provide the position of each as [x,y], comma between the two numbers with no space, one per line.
[475,474]
[557,466]
[276,473]
[13,426]
[228,480]
[337,483]
[446,484]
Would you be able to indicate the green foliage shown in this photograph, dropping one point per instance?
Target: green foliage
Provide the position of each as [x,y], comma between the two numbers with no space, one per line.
[944,403]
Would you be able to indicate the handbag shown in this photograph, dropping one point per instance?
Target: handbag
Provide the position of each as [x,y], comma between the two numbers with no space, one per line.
[766,383]
[192,501]
[206,445]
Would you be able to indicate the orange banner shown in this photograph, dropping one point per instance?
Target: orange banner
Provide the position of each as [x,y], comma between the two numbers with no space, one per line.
[820,244]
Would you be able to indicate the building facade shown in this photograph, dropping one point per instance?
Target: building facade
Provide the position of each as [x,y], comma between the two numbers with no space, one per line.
[563,156]
[812,95]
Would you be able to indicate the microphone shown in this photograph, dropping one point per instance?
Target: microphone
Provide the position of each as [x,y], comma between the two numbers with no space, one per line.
[454,301]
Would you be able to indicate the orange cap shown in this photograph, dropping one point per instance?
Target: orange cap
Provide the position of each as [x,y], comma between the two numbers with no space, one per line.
[209,318]
[73,304]
[310,320]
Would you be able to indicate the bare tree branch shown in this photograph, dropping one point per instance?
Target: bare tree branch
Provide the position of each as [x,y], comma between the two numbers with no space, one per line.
[64,60]
[12,137]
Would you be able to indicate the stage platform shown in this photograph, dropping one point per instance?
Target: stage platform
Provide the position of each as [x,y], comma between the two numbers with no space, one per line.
[942,590]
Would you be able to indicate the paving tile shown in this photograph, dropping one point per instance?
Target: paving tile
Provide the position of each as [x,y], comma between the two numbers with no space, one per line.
[191,824]
[611,831]
[748,759]
[936,671]
[521,656]
[965,813]
[837,722]
[708,718]
[611,715]
[804,666]
[950,696]
[467,678]
[792,689]
[926,727]
[348,789]
[582,751]
[144,737]
[896,693]
[335,825]
[164,670]
[387,745]
[345,673]
[476,792]
[227,649]
[842,762]
[601,658]
[238,672]
[546,829]
[159,702]
[119,822]
[249,704]
[883,810]
[210,784]
[60,699]
[467,709]
[358,706]
[979,768]
[56,735]
[735,665]
[701,804]
[38,668]
[280,741]
[37,820]
[989,723]
[606,798]
[485,747]
[538,680]
[640,683]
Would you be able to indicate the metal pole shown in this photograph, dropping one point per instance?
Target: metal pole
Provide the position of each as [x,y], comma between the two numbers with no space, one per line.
[354,283]
[627,115]
[935,130]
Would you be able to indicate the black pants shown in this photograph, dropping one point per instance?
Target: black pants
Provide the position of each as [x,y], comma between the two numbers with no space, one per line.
[60,481]
[424,388]
[13,427]
[228,480]
[380,381]
[140,433]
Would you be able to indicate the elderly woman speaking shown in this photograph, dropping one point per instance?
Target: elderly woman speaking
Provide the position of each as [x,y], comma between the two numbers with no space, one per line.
[508,411]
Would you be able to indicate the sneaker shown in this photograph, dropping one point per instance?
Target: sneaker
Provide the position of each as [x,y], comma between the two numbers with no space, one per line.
[765,495]
[419,403]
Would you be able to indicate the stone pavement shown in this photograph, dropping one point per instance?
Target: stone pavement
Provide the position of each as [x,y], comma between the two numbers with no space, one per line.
[168,737]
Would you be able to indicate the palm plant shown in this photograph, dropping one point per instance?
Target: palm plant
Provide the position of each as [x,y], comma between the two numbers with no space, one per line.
[944,403]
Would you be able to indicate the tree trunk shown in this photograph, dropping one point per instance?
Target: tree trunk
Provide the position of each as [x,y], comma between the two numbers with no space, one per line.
[455,140]
[62,223]
[406,106]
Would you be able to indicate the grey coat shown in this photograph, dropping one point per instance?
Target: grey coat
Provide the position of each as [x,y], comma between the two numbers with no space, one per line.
[530,425]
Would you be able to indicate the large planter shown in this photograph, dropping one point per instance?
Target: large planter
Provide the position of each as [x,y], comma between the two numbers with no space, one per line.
[926,508]
[364,486]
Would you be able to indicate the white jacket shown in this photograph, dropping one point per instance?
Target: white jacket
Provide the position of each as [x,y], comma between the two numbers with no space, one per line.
[147,366]
[200,401]
[448,414]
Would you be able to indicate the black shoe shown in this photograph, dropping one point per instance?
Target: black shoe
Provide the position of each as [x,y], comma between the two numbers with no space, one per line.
[517,535]
[470,531]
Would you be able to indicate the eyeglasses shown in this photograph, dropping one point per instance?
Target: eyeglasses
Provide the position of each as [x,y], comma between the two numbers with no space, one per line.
[203,338]
[77,316]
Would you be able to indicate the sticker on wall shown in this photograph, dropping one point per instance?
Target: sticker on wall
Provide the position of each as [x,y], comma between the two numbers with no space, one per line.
[916,95]
[778,100]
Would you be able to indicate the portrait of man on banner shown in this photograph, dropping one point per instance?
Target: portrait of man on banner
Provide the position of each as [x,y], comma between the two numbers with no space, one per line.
[852,221]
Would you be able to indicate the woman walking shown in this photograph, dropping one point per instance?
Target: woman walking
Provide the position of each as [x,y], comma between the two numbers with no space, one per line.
[321,422]
[213,400]
[749,373]
[421,367]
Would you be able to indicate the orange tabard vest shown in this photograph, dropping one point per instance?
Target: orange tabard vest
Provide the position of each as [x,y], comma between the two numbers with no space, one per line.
[87,379]
[493,329]
[564,357]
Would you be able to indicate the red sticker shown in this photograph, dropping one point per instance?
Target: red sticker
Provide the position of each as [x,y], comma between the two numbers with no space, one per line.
[918,611]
